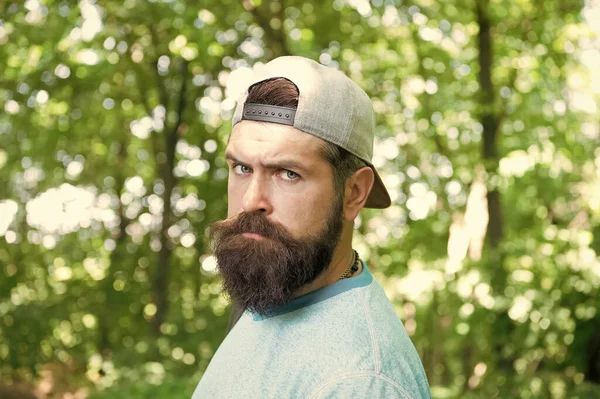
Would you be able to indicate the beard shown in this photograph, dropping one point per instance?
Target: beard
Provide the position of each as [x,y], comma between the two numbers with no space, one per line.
[263,274]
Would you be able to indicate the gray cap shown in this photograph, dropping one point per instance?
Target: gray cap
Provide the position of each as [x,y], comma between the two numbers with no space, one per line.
[330,106]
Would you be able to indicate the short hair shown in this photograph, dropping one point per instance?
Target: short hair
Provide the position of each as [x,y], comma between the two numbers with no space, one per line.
[283,93]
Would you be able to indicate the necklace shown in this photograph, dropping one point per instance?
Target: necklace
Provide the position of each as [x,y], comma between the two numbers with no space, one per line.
[352,268]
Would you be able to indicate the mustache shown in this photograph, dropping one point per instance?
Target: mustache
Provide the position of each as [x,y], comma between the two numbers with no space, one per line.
[249,222]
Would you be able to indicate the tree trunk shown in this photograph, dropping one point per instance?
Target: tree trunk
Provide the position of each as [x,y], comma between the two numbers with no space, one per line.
[105,316]
[490,122]
[161,278]
[490,119]
[275,37]
[592,372]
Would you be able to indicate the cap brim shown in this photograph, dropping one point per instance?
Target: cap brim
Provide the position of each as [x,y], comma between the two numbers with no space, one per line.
[379,197]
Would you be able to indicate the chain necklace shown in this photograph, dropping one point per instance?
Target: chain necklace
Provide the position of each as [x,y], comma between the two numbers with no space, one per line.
[353,268]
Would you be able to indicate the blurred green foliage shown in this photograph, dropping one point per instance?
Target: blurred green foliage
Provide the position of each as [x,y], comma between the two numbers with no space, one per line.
[169,388]
[114,119]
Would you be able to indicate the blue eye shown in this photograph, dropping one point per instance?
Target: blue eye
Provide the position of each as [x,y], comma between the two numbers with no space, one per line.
[241,169]
[289,175]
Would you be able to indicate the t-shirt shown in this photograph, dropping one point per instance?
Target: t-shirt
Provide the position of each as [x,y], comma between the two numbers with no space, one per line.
[340,341]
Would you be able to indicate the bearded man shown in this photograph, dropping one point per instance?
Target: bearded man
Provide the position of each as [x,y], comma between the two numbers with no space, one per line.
[316,324]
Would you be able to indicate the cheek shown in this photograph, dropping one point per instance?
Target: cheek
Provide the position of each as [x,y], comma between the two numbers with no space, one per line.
[303,214]
[234,198]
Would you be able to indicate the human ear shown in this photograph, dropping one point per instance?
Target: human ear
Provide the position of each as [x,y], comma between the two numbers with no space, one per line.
[356,191]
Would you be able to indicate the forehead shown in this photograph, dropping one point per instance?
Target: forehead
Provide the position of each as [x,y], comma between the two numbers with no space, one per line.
[272,139]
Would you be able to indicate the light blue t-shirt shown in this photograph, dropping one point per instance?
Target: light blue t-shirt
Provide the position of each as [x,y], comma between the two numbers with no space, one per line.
[341,341]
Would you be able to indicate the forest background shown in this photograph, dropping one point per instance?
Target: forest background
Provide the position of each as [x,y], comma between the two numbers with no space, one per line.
[113,121]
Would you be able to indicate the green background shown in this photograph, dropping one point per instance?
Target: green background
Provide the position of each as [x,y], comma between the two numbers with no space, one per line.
[113,121]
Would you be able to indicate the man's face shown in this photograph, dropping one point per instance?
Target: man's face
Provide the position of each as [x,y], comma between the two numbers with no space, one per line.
[280,170]
[284,217]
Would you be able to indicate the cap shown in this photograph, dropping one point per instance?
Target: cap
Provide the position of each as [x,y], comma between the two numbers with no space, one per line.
[330,106]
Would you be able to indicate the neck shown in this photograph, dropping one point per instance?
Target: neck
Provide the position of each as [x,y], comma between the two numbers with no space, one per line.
[342,257]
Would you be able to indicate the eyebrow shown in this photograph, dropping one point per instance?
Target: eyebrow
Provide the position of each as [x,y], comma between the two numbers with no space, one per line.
[279,164]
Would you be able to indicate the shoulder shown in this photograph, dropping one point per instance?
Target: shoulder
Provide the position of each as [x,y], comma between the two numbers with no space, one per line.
[362,385]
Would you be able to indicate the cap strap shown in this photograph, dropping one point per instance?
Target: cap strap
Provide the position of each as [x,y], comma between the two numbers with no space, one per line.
[269,113]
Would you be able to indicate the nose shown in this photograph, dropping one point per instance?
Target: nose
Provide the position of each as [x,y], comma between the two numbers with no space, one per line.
[256,197]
